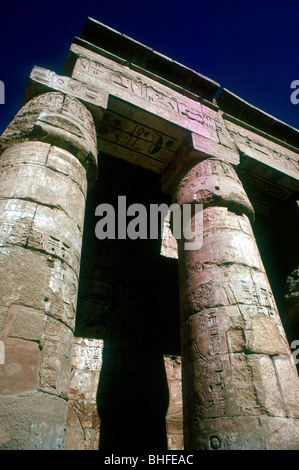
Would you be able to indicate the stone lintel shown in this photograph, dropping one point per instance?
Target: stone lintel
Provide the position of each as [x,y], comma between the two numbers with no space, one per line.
[269,168]
[245,112]
[104,40]
[123,84]
[148,119]
[42,80]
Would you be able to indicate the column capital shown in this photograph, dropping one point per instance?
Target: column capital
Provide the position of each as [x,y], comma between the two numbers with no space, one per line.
[58,119]
[207,177]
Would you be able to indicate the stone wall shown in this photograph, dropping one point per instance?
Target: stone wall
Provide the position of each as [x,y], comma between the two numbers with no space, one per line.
[83,425]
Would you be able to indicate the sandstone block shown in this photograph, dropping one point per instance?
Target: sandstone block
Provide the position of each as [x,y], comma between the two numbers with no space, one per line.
[266,385]
[16,217]
[57,119]
[56,234]
[289,383]
[44,186]
[39,281]
[20,372]
[264,336]
[56,358]
[34,153]
[64,162]
[27,324]
[33,421]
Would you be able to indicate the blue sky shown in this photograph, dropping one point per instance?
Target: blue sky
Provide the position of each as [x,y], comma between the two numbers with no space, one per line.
[249,47]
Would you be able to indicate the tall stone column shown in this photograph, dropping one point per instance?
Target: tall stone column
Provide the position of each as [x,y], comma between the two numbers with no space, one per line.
[48,151]
[240,384]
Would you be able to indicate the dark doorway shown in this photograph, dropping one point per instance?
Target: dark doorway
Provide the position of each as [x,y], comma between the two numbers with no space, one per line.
[128,296]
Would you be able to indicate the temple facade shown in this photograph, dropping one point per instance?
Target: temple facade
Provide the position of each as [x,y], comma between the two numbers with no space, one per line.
[122,343]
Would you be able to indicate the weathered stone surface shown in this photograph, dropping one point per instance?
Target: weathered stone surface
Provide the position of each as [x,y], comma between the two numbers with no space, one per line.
[58,119]
[42,196]
[169,245]
[164,112]
[288,382]
[248,433]
[174,416]
[20,372]
[27,323]
[41,78]
[143,92]
[83,423]
[223,286]
[212,182]
[54,289]
[269,151]
[17,285]
[282,434]
[264,337]
[41,184]
[15,221]
[230,327]
[56,358]
[56,234]
[266,384]
[33,421]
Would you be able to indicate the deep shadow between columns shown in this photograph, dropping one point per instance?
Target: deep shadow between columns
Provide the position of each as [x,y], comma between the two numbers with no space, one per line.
[276,227]
[128,297]
[269,233]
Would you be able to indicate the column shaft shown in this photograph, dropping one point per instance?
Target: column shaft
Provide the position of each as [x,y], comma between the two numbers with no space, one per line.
[240,384]
[42,204]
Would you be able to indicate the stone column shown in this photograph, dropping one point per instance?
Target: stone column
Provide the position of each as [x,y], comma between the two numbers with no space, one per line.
[47,152]
[240,384]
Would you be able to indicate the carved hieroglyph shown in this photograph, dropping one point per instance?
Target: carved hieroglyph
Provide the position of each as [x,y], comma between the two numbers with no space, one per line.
[240,386]
[42,198]
[235,356]
[262,149]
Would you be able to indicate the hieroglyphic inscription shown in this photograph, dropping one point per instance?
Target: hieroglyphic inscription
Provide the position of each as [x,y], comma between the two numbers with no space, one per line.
[87,354]
[249,291]
[205,352]
[13,233]
[51,244]
[262,149]
[252,290]
[122,82]
[51,104]
[142,139]
[67,85]
[147,91]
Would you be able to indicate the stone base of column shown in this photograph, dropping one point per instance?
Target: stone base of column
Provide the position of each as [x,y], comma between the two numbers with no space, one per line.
[247,433]
[36,422]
